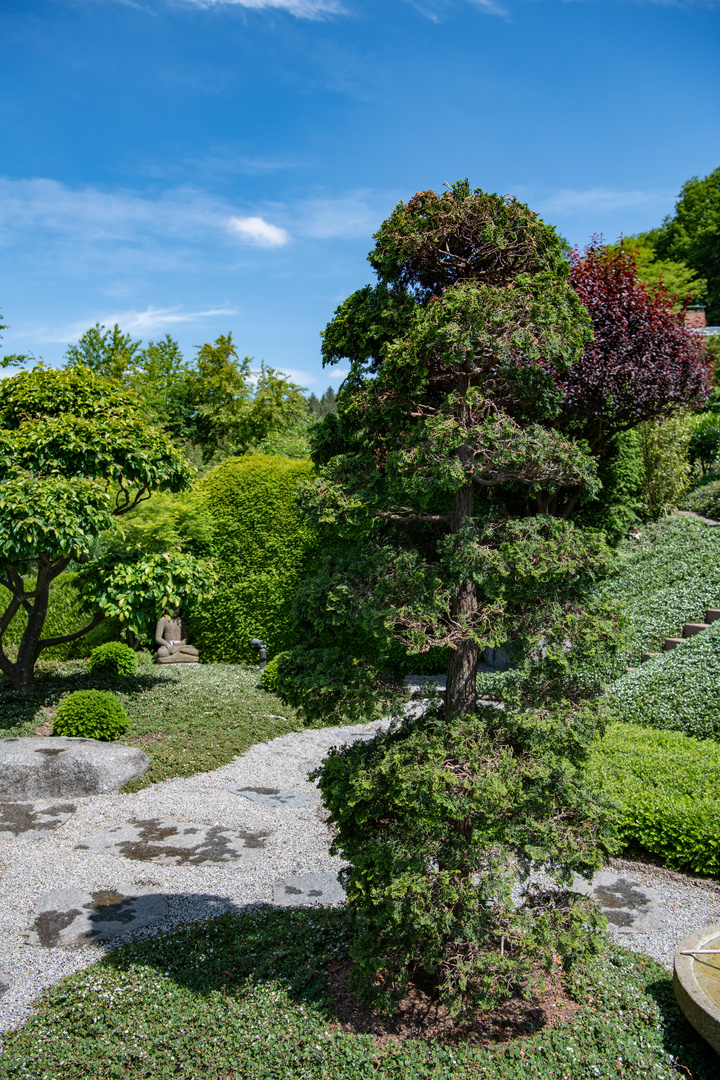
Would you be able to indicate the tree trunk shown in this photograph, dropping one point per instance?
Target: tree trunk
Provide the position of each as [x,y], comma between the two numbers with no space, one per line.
[461,691]
[29,648]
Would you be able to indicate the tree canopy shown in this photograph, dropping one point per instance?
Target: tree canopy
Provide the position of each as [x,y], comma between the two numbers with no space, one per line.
[75,453]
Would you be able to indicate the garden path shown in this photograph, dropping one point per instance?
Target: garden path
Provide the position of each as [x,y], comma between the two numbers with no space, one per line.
[79,875]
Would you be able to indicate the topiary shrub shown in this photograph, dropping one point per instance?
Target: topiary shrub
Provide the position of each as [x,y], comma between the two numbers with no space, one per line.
[269,679]
[262,547]
[113,658]
[666,785]
[439,819]
[90,714]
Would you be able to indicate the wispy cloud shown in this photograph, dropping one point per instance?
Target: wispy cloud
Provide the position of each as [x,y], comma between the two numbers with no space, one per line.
[257,231]
[351,216]
[598,200]
[144,323]
[302,9]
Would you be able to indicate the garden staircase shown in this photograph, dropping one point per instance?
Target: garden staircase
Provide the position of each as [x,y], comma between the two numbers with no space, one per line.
[689,630]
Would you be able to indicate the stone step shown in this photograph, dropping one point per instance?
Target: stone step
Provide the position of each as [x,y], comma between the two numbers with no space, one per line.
[690,629]
[712,614]
[673,642]
[649,656]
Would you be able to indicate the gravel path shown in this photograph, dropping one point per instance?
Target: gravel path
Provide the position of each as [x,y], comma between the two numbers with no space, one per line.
[650,909]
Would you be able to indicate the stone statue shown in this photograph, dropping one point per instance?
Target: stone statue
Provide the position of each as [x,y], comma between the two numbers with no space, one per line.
[171,638]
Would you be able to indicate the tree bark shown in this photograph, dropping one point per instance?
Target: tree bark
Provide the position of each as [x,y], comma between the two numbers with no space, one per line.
[461,692]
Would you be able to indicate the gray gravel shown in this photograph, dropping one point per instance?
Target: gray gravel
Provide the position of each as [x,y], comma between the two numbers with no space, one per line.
[656,907]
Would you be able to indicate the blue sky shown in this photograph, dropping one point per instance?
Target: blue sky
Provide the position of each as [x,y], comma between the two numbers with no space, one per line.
[199,166]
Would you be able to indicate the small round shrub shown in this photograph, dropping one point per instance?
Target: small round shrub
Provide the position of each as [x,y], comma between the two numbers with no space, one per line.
[269,680]
[90,714]
[113,658]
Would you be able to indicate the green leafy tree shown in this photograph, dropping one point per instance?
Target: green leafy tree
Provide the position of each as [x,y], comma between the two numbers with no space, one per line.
[75,453]
[692,235]
[679,279]
[108,353]
[454,358]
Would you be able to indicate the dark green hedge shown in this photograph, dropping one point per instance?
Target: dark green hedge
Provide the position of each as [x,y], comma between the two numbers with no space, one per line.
[263,549]
[667,786]
[64,616]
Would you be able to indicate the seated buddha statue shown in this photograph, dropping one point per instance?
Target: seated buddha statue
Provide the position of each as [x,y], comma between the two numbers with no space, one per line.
[171,638]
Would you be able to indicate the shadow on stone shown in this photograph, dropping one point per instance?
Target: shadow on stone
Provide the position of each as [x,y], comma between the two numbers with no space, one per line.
[171,842]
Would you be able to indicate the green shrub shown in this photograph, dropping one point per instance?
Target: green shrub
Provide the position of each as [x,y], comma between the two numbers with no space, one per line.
[704,500]
[90,714]
[667,786]
[269,678]
[262,547]
[438,819]
[113,658]
[616,507]
[65,616]
[704,444]
[676,691]
[664,465]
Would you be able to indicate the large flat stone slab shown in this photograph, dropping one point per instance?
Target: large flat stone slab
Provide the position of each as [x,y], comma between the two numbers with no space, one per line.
[70,917]
[59,767]
[629,906]
[29,820]
[176,843]
[276,798]
[324,889]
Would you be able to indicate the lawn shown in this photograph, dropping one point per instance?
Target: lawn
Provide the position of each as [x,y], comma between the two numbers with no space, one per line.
[247,996]
[187,718]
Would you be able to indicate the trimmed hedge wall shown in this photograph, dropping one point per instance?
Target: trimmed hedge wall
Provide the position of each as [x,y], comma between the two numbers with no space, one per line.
[263,549]
[667,787]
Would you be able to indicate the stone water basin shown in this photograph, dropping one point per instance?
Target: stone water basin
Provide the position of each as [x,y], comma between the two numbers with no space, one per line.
[696,981]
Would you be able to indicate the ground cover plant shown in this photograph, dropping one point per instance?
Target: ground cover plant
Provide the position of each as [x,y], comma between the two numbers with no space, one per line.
[704,499]
[666,785]
[668,574]
[187,718]
[255,995]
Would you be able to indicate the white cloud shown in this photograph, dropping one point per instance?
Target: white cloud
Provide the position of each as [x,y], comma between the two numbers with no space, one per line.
[143,323]
[302,9]
[337,373]
[258,231]
[598,200]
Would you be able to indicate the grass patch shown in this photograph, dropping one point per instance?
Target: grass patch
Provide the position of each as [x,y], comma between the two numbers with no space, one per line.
[667,786]
[246,996]
[187,718]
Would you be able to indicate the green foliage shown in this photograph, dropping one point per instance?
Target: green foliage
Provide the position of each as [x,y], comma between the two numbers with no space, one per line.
[246,995]
[615,508]
[438,819]
[113,658]
[75,453]
[677,691]
[137,589]
[664,467]
[705,500]
[692,234]
[667,575]
[331,686]
[704,445]
[263,548]
[666,785]
[165,522]
[676,276]
[269,677]
[66,615]
[90,714]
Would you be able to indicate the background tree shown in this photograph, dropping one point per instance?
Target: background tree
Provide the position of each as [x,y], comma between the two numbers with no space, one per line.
[455,360]
[692,235]
[678,279]
[75,453]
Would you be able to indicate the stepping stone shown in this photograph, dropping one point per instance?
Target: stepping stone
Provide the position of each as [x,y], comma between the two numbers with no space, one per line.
[649,656]
[4,983]
[277,798]
[630,908]
[176,843]
[28,820]
[324,889]
[712,615]
[672,643]
[690,629]
[49,767]
[70,917]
